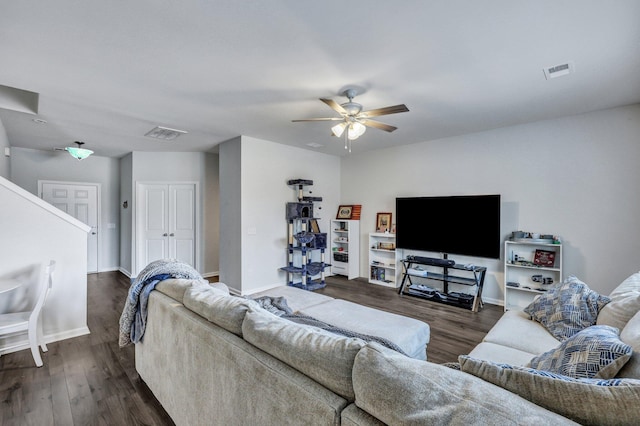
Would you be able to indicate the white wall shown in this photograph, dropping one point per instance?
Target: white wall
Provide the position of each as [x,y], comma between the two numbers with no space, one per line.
[126,214]
[30,165]
[230,217]
[211,211]
[4,161]
[576,177]
[197,167]
[265,169]
[32,235]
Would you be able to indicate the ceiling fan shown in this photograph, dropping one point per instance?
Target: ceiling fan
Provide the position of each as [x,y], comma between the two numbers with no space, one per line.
[354,120]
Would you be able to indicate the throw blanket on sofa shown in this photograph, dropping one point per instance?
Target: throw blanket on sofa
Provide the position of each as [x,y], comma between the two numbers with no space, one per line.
[279,306]
[134,315]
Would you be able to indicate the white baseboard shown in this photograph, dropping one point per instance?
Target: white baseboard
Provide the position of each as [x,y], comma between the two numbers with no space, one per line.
[49,338]
[112,269]
[492,301]
[124,271]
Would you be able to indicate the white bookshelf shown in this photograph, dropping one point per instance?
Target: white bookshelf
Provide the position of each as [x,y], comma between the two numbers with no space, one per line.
[382,259]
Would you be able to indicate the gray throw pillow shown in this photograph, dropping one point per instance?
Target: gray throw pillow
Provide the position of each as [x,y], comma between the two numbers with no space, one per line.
[630,335]
[567,308]
[625,303]
[595,352]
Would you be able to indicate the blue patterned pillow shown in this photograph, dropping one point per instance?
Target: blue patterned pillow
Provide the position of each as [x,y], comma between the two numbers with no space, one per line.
[594,353]
[567,309]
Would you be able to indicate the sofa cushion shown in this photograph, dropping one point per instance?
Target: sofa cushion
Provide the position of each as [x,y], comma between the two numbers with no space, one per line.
[216,305]
[175,287]
[411,335]
[515,329]
[567,308]
[587,401]
[595,352]
[326,358]
[296,298]
[499,353]
[399,390]
[631,336]
[625,303]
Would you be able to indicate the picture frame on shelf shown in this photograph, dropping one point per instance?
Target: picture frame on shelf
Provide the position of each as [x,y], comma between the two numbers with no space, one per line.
[315,228]
[344,212]
[544,258]
[383,222]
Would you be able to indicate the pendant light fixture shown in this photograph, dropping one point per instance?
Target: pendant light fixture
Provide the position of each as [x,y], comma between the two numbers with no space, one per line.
[78,151]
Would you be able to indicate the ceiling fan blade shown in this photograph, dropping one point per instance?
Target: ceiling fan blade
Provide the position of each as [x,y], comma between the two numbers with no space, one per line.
[384,111]
[378,125]
[320,119]
[335,106]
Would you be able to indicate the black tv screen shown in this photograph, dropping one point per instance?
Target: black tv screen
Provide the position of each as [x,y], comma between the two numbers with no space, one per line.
[465,224]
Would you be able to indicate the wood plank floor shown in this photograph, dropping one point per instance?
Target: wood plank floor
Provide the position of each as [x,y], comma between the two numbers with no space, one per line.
[454,331]
[89,380]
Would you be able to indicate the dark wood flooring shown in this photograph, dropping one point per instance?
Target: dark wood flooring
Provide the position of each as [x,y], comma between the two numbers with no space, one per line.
[454,331]
[89,380]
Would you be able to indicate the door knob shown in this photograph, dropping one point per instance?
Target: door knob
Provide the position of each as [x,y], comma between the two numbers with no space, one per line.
[93,233]
[164,235]
[171,234]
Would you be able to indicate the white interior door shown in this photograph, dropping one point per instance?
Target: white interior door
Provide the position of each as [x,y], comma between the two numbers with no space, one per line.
[152,226]
[165,223]
[182,218]
[81,202]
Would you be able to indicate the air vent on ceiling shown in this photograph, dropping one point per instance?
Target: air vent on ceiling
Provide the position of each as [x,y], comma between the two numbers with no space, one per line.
[314,145]
[558,70]
[165,133]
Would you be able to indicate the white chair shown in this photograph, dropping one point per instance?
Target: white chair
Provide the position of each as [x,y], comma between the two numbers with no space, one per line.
[29,321]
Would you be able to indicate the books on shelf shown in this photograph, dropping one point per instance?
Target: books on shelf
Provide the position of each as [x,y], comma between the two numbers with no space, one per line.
[377,273]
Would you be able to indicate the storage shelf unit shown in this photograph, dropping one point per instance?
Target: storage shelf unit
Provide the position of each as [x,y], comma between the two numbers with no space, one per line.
[419,279]
[382,259]
[520,268]
[345,248]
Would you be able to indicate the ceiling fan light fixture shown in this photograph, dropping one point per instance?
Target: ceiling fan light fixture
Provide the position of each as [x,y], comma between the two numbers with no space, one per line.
[338,129]
[78,152]
[356,130]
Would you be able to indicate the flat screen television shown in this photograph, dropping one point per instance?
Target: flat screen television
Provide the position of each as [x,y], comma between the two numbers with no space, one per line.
[467,225]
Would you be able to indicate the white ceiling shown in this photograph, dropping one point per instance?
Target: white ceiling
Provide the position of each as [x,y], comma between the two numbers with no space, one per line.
[107,72]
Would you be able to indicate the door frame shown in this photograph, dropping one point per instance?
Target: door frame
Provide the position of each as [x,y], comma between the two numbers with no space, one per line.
[135,233]
[98,187]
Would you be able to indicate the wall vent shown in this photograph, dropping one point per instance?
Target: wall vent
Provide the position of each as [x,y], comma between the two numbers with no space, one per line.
[558,70]
[165,133]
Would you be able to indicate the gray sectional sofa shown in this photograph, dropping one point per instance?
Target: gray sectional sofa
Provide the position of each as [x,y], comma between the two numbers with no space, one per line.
[212,358]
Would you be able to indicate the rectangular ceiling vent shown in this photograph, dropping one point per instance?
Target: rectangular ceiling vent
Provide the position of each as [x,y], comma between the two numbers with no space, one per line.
[165,133]
[558,70]
[314,145]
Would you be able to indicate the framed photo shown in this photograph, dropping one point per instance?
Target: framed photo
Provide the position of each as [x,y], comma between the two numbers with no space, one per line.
[544,258]
[315,228]
[344,212]
[383,222]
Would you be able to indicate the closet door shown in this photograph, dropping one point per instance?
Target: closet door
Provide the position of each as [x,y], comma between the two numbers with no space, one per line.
[152,224]
[165,223]
[182,223]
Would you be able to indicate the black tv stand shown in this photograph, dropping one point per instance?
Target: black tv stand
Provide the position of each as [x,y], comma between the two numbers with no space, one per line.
[468,275]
